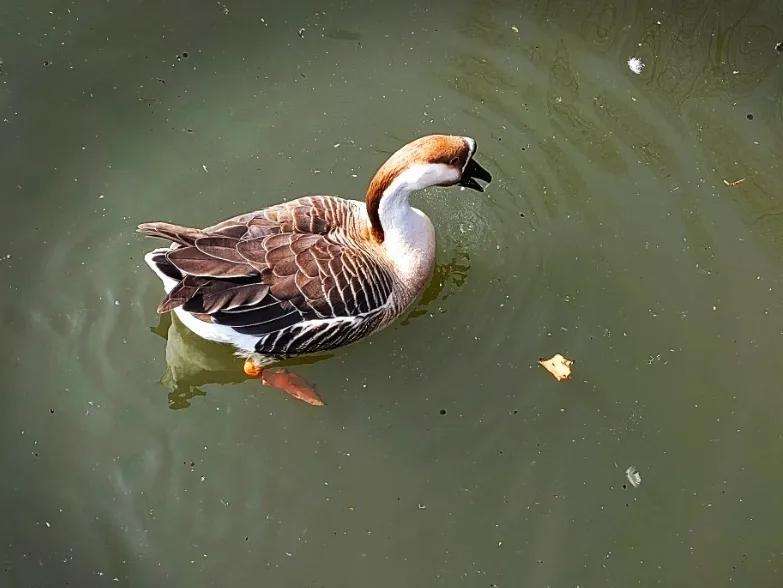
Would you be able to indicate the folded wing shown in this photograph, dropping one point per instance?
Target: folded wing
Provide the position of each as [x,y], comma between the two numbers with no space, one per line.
[285,274]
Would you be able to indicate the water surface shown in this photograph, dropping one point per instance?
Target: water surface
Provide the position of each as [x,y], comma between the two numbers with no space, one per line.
[635,224]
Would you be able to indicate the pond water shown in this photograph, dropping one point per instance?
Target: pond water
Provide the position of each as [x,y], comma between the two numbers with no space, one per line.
[635,225]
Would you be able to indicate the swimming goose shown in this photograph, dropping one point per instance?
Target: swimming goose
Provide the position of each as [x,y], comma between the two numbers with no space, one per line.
[315,273]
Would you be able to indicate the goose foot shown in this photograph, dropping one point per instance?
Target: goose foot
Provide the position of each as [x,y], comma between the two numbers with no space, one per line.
[285,381]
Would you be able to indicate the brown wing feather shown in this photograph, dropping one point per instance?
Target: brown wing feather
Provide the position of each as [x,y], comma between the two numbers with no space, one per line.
[224,248]
[194,262]
[181,293]
[266,271]
[225,295]
[175,233]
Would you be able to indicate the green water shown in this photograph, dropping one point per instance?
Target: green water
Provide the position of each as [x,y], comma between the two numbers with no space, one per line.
[135,455]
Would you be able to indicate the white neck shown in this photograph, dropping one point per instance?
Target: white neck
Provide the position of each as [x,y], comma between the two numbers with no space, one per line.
[409,237]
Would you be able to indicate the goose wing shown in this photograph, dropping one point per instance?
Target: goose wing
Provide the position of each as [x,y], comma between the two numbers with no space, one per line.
[286,274]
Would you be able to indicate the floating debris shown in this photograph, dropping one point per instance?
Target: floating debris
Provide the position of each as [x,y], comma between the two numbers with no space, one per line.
[558,366]
[204,167]
[301,33]
[634,477]
[734,183]
[514,28]
[636,65]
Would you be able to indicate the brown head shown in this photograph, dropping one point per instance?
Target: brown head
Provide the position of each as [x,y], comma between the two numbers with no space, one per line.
[433,160]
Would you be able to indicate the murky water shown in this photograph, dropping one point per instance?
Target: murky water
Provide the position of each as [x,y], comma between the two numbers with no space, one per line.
[635,224]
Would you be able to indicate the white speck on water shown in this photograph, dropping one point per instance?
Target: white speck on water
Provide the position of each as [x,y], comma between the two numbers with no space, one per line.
[100,196]
[48,525]
[421,506]
[634,477]
[735,71]
[636,65]
[336,145]
[204,167]
[116,303]
[514,28]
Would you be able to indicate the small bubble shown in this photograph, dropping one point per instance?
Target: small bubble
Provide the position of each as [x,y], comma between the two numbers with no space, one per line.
[750,116]
[442,411]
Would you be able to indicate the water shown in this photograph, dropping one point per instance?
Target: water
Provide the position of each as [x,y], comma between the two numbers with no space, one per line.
[135,455]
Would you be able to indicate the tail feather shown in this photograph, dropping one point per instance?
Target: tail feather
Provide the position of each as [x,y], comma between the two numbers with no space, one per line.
[179,234]
[179,287]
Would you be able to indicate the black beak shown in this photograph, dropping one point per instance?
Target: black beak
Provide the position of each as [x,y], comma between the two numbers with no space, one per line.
[474,171]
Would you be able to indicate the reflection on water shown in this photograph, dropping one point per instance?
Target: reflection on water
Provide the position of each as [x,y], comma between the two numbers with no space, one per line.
[192,362]
[635,224]
[446,279]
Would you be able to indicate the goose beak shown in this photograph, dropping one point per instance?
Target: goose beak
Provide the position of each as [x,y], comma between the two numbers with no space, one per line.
[473,171]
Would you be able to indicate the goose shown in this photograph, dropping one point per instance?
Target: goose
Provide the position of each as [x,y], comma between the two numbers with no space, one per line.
[315,273]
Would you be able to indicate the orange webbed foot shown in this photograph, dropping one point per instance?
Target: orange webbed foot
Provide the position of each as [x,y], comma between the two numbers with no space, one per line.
[292,384]
[283,380]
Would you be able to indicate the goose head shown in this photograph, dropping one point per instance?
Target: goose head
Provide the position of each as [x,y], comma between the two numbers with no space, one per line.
[433,160]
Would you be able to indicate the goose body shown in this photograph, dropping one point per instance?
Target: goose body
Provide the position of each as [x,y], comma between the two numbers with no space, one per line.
[315,273]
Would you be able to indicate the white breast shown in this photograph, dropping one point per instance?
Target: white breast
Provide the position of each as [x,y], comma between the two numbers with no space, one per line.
[410,245]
